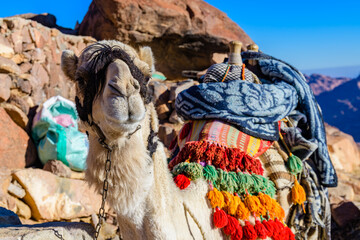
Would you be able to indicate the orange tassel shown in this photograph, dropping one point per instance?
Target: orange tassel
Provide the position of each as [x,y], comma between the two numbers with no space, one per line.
[233,206]
[265,200]
[227,200]
[216,198]
[298,195]
[242,212]
[253,204]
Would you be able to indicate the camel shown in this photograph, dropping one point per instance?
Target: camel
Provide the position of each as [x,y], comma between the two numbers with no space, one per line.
[141,190]
[114,107]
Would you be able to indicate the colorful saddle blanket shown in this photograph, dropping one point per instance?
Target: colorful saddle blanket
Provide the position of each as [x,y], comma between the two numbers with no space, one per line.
[218,143]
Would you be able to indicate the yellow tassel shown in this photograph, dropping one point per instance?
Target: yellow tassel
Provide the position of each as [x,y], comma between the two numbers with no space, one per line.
[227,200]
[242,212]
[253,204]
[216,198]
[233,206]
[298,195]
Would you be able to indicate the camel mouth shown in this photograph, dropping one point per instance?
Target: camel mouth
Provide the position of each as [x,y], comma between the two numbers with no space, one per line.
[126,124]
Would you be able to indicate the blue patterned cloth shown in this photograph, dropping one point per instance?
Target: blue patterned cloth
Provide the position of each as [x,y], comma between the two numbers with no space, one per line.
[254,109]
[313,131]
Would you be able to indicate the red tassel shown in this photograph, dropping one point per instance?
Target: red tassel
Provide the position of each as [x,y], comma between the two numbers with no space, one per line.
[181,181]
[249,231]
[288,234]
[210,153]
[278,230]
[260,230]
[232,225]
[269,227]
[220,218]
[220,159]
[238,235]
[185,131]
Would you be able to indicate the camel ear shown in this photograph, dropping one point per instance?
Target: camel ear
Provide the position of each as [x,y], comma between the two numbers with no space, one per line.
[146,55]
[69,63]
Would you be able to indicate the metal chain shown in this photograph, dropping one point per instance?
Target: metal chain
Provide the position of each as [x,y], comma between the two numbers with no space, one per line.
[105,188]
[57,234]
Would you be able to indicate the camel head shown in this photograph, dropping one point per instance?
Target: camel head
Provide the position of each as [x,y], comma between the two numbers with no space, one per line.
[111,85]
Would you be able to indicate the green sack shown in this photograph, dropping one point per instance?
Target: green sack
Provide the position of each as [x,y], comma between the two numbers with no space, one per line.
[55,132]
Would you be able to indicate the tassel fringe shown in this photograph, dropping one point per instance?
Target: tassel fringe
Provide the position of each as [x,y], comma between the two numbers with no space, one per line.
[227,159]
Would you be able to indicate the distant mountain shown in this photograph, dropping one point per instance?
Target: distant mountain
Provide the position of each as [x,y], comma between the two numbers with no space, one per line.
[321,83]
[335,72]
[341,107]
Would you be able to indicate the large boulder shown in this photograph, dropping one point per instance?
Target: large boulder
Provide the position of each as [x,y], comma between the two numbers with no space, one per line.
[183,34]
[343,150]
[54,198]
[16,148]
[49,231]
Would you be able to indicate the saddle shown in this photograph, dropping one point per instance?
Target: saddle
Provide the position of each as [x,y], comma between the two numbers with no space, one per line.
[222,143]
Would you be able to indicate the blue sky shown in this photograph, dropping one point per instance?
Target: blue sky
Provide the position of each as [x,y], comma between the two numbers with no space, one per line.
[307,34]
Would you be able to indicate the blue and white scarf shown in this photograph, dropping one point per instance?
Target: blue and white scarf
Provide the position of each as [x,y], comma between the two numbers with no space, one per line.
[253,108]
[311,132]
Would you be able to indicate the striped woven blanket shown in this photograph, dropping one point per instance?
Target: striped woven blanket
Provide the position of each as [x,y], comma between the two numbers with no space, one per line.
[219,143]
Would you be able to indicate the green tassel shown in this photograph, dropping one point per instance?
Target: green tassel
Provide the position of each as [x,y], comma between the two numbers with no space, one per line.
[210,173]
[234,180]
[191,170]
[194,171]
[246,182]
[180,168]
[294,164]
[222,181]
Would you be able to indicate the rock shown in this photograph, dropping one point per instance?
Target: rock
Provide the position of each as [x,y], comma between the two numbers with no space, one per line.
[183,86]
[160,92]
[53,198]
[16,190]
[8,217]
[23,210]
[8,66]
[49,231]
[41,76]
[24,85]
[342,190]
[58,168]
[19,58]
[343,150]
[15,144]
[345,213]
[16,39]
[166,134]
[183,34]
[38,55]
[163,111]
[174,118]
[25,67]
[5,47]
[5,84]
[5,179]
[16,114]
[19,102]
